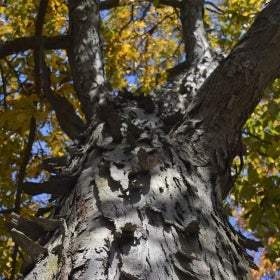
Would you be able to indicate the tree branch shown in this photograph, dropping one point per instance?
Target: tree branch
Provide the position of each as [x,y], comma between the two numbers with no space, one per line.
[229,95]
[217,9]
[233,90]
[87,66]
[172,3]
[40,19]
[256,137]
[61,41]
[7,211]
[109,4]
[66,115]
[33,228]
[56,186]
[177,69]
[26,43]
[25,160]
[38,51]
[20,178]
[194,36]
[65,112]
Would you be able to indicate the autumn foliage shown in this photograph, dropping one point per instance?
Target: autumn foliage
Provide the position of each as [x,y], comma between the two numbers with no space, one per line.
[141,40]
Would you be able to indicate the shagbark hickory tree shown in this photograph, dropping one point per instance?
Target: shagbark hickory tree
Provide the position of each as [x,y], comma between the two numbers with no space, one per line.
[139,195]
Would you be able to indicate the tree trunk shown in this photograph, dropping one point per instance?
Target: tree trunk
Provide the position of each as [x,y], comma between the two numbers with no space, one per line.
[152,173]
[139,210]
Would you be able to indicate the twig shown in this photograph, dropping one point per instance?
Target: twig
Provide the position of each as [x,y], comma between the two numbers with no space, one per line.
[213,11]
[256,137]
[218,10]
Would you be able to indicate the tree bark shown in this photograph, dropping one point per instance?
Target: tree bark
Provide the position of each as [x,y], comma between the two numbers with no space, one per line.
[141,212]
[148,203]
[85,56]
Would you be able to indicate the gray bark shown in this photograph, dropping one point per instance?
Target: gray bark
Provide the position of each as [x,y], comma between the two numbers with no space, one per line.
[149,207]
[85,56]
[144,215]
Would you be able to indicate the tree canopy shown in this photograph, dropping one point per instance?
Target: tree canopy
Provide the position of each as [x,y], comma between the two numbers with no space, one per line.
[143,49]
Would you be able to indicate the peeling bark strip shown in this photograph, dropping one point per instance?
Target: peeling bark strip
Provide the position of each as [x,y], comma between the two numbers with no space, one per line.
[34,250]
[85,55]
[163,230]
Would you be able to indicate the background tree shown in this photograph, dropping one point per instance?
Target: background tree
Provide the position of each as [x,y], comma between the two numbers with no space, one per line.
[149,174]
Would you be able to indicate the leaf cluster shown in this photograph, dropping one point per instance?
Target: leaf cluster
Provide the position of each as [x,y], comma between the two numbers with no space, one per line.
[141,41]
